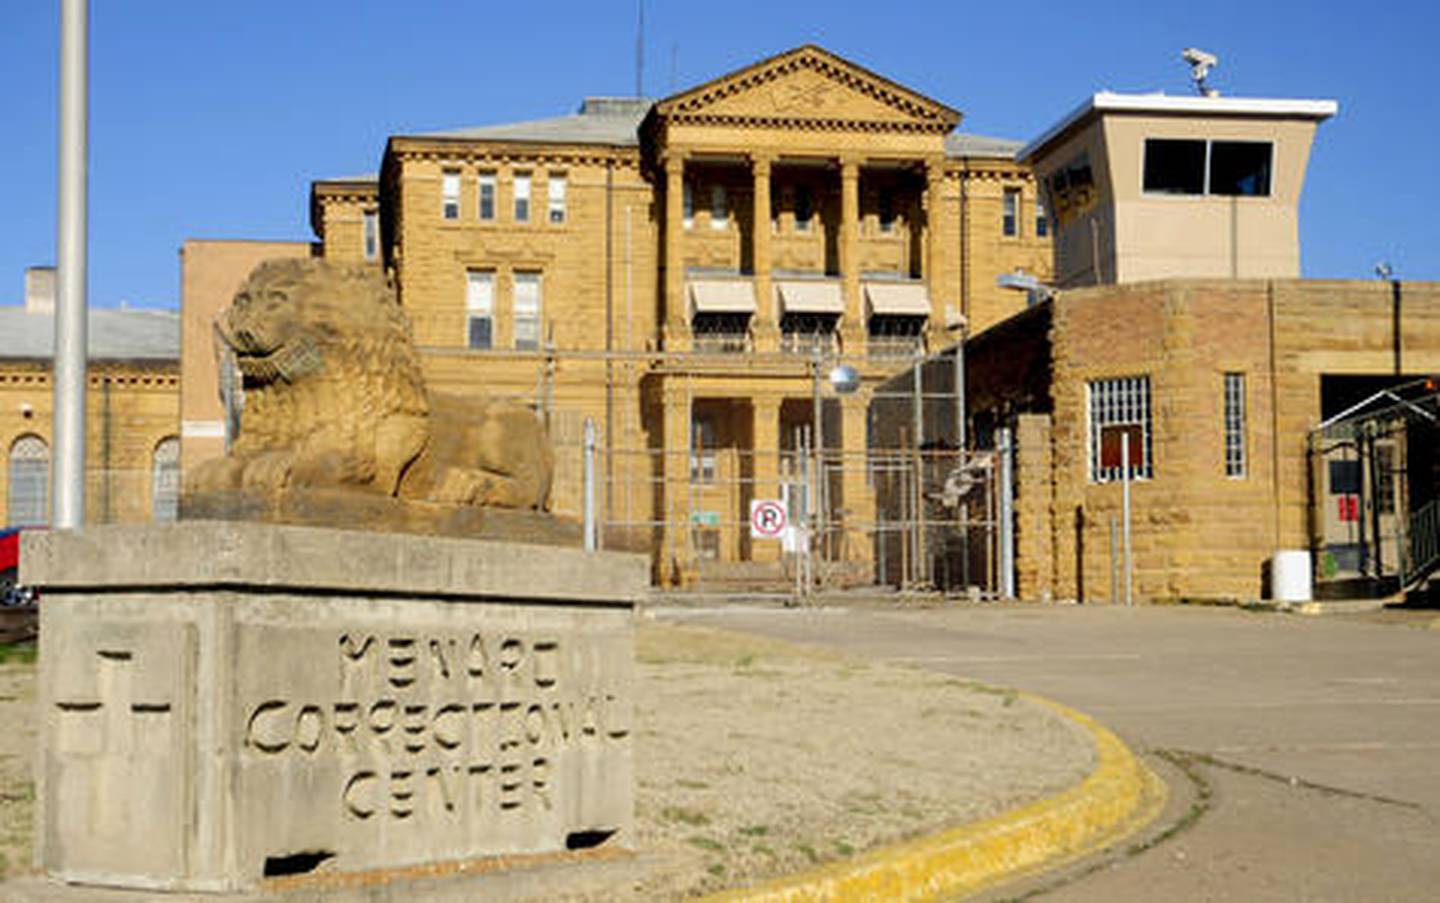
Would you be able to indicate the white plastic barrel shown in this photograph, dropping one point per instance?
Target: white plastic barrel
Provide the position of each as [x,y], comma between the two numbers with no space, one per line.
[1290,576]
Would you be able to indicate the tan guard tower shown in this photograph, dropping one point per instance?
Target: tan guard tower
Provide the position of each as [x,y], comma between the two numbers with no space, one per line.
[1152,186]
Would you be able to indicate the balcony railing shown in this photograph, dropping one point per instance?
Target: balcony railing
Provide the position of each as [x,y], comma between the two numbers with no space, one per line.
[722,342]
[895,345]
[810,342]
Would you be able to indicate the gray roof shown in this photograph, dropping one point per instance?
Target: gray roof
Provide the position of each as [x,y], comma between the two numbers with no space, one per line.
[601,120]
[112,334]
[962,144]
[615,121]
[367,177]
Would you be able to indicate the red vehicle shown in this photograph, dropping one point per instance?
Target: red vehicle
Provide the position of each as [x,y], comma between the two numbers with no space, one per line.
[11,593]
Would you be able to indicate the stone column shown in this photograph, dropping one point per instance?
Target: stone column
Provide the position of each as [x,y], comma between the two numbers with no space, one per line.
[676,559]
[852,326]
[935,232]
[766,326]
[765,444]
[677,324]
[858,497]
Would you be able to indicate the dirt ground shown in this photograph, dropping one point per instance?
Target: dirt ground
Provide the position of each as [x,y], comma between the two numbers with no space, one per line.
[754,759]
[17,753]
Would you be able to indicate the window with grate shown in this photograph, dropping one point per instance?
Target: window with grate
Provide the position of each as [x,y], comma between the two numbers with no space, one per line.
[806,333]
[1121,402]
[721,331]
[1234,424]
[893,335]
[165,481]
[29,482]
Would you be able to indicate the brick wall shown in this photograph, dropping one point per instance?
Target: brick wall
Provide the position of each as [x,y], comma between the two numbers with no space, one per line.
[1196,530]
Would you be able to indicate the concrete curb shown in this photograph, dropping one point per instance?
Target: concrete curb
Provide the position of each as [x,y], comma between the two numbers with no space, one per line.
[1118,798]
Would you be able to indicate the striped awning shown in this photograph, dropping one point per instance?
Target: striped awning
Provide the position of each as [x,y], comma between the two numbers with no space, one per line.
[898,299]
[721,296]
[810,297]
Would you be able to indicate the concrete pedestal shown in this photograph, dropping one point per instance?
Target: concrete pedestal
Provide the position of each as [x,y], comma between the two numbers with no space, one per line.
[225,701]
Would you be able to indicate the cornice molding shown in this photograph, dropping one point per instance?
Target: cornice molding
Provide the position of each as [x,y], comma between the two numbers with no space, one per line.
[459,151]
[927,113]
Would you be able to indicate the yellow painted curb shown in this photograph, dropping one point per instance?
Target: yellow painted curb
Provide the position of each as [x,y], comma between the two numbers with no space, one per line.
[1119,797]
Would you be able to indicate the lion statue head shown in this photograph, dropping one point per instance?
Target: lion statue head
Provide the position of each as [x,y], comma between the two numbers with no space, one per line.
[289,310]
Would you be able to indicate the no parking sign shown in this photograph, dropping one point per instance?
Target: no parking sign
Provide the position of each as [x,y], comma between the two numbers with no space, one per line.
[767,518]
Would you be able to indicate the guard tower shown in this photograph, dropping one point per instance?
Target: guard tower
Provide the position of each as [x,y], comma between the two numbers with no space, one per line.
[1152,186]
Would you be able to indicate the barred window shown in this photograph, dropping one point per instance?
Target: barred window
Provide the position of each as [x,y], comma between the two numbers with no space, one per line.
[1234,424]
[29,486]
[165,481]
[1122,402]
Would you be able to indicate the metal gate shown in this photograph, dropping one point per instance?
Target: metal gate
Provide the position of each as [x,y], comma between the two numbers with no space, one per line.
[906,519]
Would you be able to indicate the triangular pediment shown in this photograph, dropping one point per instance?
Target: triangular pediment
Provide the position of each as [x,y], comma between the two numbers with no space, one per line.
[809,84]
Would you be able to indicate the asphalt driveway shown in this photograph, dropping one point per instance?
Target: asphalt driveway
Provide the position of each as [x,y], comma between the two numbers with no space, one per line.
[1303,753]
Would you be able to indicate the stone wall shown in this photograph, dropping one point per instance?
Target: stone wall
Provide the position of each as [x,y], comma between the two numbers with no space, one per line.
[1035,518]
[1196,531]
[267,699]
[608,232]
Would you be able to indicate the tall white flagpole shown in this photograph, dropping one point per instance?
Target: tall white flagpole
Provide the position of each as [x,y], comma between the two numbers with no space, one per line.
[68,468]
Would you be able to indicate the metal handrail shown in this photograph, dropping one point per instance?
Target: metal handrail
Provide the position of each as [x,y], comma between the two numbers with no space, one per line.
[1423,545]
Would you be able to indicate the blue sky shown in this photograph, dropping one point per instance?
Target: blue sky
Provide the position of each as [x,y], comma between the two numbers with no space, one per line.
[210,120]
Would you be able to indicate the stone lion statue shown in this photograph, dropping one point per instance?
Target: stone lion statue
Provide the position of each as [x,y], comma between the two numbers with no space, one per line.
[334,398]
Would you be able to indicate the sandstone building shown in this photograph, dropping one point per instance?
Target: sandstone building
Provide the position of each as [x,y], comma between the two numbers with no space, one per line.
[680,270]
[132,447]
[1177,317]
[1223,382]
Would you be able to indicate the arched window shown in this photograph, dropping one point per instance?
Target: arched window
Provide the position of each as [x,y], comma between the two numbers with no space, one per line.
[165,481]
[29,484]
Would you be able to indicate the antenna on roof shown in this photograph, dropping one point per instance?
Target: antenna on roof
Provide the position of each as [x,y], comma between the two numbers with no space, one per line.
[1200,65]
[640,49]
